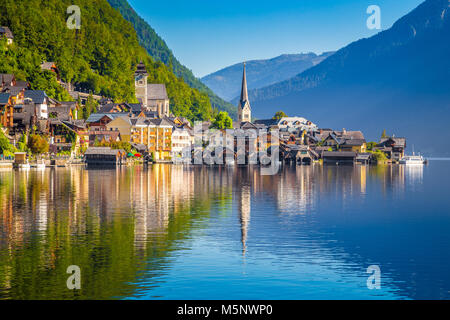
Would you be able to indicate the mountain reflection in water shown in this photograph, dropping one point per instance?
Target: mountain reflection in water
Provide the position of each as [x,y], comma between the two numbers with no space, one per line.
[226,233]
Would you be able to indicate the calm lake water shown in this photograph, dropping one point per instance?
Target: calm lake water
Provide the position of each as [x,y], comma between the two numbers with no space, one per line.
[173,232]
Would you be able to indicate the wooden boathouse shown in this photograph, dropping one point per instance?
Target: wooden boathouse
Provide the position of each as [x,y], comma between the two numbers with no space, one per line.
[103,156]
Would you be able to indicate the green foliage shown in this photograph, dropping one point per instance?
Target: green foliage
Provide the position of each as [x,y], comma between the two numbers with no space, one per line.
[38,144]
[159,51]
[371,145]
[116,145]
[379,155]
[6,148]
[279,115]
[101,57]
[222,121]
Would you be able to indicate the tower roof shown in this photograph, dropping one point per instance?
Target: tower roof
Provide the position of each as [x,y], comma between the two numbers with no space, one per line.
[141,69]
[244,92]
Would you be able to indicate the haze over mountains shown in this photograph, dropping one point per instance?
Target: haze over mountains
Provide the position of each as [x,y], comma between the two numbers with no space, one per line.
[261,73]
[398,80]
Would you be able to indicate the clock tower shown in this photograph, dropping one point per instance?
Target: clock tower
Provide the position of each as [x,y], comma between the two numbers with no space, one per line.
[140,78]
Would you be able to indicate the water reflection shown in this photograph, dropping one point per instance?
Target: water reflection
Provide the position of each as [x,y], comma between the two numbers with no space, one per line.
[129,229]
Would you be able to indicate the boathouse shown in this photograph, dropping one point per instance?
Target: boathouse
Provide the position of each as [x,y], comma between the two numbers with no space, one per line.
[339,157]
[104,156]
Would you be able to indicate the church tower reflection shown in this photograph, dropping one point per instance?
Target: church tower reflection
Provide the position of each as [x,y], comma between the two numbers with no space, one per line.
[244,205]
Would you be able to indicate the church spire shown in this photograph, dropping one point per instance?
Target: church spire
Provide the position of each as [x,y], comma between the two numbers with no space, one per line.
[244,109]
[244,92]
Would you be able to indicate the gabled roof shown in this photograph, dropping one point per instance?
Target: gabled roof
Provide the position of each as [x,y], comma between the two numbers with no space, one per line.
[37,96]
[6,78]
[14,91]
[398,142]
[95,117]
[354,142]
[266,122]
[157,92]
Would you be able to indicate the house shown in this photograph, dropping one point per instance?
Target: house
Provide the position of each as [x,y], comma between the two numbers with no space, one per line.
[6,33]
[364,158]
[51,66]
[339,157]
[157,135]
[98,121]
[181,141]
[393,147]
[355,145]
[124,126]
[41,101]
[24,117]
[299,154]
[103,137]
[6,110]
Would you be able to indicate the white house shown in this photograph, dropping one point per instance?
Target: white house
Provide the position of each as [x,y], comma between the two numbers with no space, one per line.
[181,142]
[41,101]
[296,123]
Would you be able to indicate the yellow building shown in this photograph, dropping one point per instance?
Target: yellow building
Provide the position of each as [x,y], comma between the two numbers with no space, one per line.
[156,134]
[123,125]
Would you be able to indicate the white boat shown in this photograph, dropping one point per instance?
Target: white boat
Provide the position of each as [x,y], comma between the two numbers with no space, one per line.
[40,165]
[24,166]
[413,160]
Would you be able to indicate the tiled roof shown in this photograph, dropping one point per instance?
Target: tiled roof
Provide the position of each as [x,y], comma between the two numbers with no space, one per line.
[37,96]
[354,142]
[4,98]
[6,78]
[157,92]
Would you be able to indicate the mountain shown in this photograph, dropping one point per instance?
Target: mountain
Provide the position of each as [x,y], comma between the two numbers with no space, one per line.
[261,73]
[100,57]
[159,51]
[398,80]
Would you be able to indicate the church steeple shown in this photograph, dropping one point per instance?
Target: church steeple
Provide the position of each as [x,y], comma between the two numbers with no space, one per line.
[244,108]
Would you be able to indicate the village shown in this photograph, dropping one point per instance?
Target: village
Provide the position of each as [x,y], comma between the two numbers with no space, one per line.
[147,132]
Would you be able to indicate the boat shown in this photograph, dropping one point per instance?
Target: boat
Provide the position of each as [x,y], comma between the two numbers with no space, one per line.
[24,166]
[40,165]
[413,160]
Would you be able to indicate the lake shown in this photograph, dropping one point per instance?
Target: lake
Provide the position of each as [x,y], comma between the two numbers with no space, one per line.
[174,232]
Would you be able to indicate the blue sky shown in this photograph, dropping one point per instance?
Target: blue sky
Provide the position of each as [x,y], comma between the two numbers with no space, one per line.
[208,35]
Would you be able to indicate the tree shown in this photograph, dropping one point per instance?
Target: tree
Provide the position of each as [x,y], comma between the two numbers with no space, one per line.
[371,145]
[222,121]
[38,144]
[5,147]
[279,115]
